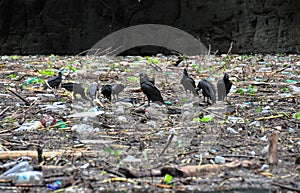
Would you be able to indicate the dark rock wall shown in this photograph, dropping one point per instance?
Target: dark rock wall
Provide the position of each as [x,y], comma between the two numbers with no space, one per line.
[72,26]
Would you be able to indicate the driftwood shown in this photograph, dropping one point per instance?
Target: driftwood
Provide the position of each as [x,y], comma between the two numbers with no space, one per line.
[193,171]
[34,154]
[189,171]
[286,187]
[273,148]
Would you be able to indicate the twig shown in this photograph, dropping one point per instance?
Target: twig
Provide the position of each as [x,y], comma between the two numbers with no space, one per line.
[269,117]
[85,51]
[276,72]
[216,114]
[209,49]
[286,187]
[167,145]
[20,97]
[230,48]
[4,110]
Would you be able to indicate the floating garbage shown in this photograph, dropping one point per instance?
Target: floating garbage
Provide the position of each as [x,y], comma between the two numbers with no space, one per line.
[48,120]
[291,130]
[30,126]
[22,174]
[60,124]
[4,95]
[244,105]
[235,119]
[83,129]
[255,123]
[285,95]
[266,109]
[130,158]
[295,89]
[85,114]
[219,160]
[20,167]
[120,110]
[168,103]
[252,153]
[33,80]
[290,81]
[127,102]
[231,130]
[55,107]
[55,186]
[264,138]
[85,166]
[265,69]
[29,177]
[122,119]
[94,109]
[264,167]
[45,95]
[108,114]
[204,119]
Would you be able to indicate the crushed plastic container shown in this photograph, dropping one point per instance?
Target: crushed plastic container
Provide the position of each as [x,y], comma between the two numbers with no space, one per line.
[30,126]
[29,177]
[83,129]
[219,160]
[48,120]
[55,186]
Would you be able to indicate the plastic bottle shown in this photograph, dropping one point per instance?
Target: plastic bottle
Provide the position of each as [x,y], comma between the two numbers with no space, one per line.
[20,167]
[55,186]
[29,177]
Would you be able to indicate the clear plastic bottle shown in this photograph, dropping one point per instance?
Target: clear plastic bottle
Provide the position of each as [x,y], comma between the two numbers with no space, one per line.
[29,177]
[20,167]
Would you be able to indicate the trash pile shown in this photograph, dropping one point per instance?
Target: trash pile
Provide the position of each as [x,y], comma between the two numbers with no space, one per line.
[94,123]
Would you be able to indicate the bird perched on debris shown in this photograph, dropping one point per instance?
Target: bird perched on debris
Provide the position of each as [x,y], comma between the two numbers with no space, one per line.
[116,89]
[224,85]
[74,87]
[208,90]
[188,82]
[149,89]
[92,91]
[54,81]
[106,90]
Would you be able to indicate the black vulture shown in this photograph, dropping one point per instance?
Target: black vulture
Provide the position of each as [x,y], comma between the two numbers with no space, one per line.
[92,91]
[208,90]
[74,87]
[224,85]
[54,81]
[150,90]
[116,89]
[106,91]
[188,82]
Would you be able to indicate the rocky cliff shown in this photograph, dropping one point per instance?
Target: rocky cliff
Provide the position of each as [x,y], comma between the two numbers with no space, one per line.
[71,26]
